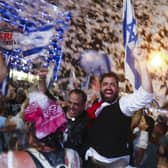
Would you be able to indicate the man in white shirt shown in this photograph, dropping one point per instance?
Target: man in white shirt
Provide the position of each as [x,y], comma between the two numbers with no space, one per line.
[108,135]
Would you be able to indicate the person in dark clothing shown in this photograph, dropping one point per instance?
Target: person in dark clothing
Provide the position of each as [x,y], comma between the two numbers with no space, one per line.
[77,121]
[108,134]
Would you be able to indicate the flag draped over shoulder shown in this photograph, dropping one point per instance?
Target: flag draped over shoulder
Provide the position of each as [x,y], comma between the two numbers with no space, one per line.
[130,40]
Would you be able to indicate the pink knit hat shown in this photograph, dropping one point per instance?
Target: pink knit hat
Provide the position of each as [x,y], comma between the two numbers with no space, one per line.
[47,115]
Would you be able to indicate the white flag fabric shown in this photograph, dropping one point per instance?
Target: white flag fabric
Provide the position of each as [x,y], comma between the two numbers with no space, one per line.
[5,82]
[86,82]
[72,80]
[130,39]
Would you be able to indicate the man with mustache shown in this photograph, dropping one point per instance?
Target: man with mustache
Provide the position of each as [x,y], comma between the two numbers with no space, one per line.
[108,135]
[77,121]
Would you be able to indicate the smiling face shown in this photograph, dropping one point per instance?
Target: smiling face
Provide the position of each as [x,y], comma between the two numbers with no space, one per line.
[109,89]
[75,105]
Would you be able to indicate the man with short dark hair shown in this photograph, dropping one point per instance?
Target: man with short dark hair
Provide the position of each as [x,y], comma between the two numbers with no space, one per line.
[108,135]
[77,121]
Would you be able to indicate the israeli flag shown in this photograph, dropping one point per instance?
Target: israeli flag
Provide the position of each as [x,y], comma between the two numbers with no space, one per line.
[130,39]
[4,86]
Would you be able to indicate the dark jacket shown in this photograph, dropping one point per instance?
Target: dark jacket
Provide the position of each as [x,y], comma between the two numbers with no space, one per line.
[76,133]
[109,132]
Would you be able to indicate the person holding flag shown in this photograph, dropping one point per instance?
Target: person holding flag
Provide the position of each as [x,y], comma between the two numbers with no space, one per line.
[108,135]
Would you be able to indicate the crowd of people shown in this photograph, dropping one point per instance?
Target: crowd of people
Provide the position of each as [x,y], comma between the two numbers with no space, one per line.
[38,130]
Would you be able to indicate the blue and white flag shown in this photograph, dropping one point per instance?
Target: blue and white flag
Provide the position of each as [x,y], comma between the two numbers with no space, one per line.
[130,40]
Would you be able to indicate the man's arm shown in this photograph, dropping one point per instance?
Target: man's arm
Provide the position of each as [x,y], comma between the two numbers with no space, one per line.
[144,95]
[146,81]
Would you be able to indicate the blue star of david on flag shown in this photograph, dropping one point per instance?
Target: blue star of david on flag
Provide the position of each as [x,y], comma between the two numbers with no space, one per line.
[130,29]
[130,39]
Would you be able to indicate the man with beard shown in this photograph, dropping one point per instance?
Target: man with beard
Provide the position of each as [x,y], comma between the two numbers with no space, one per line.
[108,134]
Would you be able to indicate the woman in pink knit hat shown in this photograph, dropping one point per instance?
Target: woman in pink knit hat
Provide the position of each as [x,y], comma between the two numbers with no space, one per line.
[46,122]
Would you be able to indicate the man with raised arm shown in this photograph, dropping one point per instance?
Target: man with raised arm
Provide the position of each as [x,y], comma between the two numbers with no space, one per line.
[108,135]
